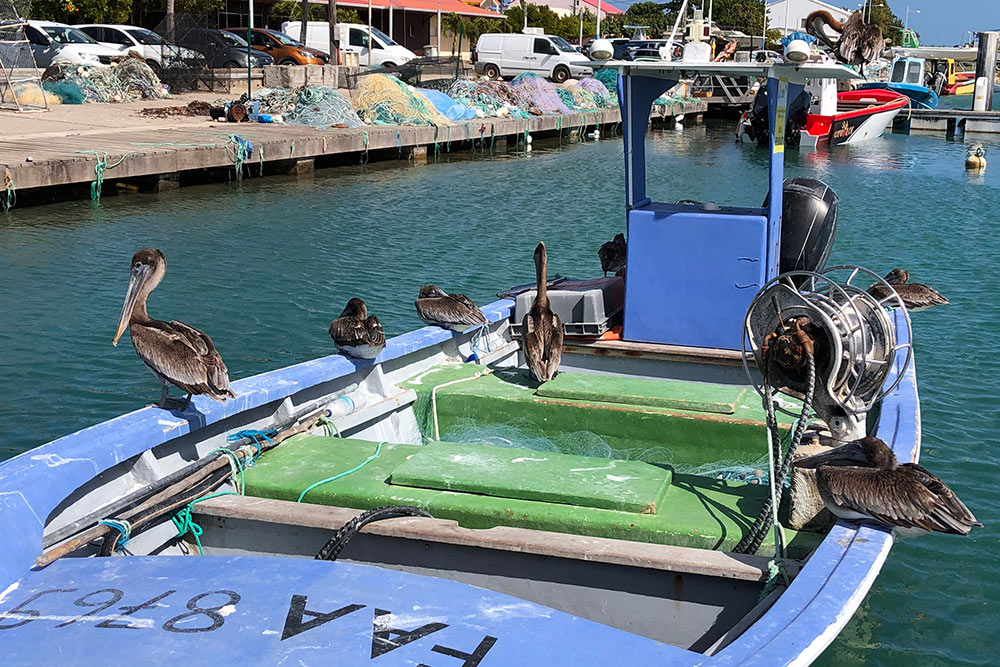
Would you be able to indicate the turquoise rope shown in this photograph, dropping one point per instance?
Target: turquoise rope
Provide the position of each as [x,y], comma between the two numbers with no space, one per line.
[10,197]
[185,524]
[255,438]
[343,474]
[99,169]
[123,527]
[237,467]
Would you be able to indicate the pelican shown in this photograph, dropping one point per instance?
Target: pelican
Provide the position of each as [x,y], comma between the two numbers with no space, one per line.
[448,311]
[859,43]
[356,333]
[177,353]
[863,481]
[613,255]
[542,331]
[914,295]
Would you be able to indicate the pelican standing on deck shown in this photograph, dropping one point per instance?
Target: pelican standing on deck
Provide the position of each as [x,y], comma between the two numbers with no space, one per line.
[542,331]
[914,295]
[356,333]
[177,353]
[456,312]
[863,481]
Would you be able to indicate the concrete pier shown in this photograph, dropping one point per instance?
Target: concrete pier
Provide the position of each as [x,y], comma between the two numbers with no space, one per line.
[948,121]
[73,144]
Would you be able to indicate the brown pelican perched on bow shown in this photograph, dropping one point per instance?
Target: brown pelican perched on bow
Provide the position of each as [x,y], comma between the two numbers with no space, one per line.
[914,295]
[177,353]
[859,43]
[613,254]
[448,311]
[356,333]
[863,481]
[541,329]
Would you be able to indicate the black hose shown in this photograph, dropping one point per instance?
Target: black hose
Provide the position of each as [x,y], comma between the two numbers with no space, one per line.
[755,536]
[336,544]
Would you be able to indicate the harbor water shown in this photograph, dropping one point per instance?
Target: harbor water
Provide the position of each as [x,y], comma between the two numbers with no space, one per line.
[263,266]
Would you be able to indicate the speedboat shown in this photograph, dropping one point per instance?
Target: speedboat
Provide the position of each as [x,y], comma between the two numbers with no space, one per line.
[436,505]
[907,76]
[833,118]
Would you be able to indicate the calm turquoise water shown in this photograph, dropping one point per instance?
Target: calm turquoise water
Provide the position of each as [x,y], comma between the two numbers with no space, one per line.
[265,265]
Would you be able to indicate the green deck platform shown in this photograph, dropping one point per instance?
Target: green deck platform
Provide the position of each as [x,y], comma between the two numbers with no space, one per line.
[697,422]
[691,511]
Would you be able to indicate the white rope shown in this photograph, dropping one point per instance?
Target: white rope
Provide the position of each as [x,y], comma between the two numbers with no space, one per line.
[434,409]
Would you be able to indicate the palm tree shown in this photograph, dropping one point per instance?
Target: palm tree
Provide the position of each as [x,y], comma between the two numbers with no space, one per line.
[452,23]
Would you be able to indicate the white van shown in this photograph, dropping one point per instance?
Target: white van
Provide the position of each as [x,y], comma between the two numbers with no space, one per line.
[354,38]
[510,54]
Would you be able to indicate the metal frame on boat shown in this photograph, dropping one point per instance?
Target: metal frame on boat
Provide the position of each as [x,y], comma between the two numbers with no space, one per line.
[266,609]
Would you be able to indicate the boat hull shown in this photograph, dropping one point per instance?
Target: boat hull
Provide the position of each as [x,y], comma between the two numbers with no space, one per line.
[266,609]
[854,126]
[921,96]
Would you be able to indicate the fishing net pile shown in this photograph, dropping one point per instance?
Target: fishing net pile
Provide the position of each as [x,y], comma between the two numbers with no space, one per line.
[321,107]
[541,92]
[493,99]
[609,77]
[275,101]
[603,98]
[385,100]
[125,80]
[524,434]
[447,106]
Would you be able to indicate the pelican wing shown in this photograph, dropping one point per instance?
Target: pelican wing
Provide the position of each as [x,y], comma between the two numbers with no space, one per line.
[872,43]
[374,333]
[850,38]
[350,331]
[542,341]
[184,356]
[915,295]
[455,310]
[899,498]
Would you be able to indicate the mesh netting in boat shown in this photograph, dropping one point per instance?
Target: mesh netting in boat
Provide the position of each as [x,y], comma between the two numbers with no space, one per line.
[541,92]
[524,434]
[385,100]
[322,107]
[494,99]
[125,80]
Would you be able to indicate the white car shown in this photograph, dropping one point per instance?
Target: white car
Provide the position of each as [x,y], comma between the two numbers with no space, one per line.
[353,38]
[509,54]
[155,50]
[52,41]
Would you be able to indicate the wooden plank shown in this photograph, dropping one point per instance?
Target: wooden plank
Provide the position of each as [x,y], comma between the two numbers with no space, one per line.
[621,348]
[544,543]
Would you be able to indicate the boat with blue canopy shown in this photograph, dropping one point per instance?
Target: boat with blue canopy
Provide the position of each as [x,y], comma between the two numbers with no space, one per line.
[908,76]
[438,506]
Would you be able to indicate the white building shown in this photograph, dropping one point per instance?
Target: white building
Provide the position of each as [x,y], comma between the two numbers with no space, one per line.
[790,15]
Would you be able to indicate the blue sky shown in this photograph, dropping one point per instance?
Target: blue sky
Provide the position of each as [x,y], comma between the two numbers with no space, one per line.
[940,22]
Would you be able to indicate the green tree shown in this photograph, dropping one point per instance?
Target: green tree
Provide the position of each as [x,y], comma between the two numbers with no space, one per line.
[82,11]
[293,10]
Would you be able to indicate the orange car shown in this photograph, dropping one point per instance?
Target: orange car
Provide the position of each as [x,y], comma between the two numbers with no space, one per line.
[284,49]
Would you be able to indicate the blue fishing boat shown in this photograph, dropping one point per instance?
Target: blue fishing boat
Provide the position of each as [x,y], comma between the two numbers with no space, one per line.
[333,511]
[907,76]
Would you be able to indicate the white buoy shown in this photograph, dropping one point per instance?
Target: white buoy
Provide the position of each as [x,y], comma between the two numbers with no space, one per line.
[527,139]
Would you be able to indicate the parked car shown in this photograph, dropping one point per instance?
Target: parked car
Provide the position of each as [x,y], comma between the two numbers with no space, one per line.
[509,54]
[222,48]
[353,38]
[156,51]
[52,41]
[284,49]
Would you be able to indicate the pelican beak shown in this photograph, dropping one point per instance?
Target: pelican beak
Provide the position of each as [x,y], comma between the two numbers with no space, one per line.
[844,455]
[140,275]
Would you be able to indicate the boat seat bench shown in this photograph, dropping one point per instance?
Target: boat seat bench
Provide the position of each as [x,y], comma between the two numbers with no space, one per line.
[695,422]
[682,560]
[657,506]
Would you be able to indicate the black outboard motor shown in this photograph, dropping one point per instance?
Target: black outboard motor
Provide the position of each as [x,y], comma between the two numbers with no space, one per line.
[760,130]
[808,224]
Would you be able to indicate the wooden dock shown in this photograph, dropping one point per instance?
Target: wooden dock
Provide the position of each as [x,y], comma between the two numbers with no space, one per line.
[949,121]
[157,154]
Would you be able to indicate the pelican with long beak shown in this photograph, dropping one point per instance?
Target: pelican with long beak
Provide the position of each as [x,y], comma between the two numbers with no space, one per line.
[356,333]
[863,481]
[541,329]
[177,353]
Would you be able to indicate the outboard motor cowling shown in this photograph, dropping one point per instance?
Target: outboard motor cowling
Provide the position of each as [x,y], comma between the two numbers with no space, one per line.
[808,224]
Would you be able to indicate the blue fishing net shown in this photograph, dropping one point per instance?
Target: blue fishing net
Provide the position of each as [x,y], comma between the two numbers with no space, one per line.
[541,92]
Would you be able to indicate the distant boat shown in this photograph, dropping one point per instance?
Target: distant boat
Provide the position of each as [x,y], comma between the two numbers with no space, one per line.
[907,77]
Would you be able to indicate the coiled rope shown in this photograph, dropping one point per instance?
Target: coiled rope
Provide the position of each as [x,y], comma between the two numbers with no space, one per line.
[769,512]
